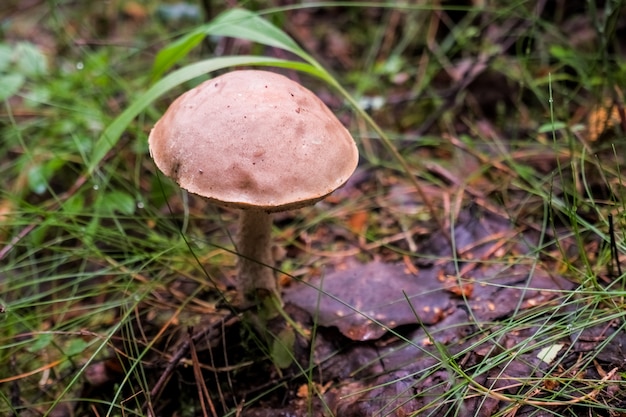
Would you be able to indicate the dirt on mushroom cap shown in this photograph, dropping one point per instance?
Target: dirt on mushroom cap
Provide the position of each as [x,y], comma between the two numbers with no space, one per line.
[254,139]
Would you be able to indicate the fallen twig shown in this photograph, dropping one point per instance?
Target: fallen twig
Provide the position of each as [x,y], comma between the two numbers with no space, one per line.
[184,349]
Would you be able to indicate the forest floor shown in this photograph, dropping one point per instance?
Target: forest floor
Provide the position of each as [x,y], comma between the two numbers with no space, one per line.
[473,265]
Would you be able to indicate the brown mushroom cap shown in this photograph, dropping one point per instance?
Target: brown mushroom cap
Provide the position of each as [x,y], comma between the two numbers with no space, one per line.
[253,139]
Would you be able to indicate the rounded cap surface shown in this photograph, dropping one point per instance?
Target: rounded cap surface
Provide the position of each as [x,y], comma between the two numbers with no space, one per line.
[253,139]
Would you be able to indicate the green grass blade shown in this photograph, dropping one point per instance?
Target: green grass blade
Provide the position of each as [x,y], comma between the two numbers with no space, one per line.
[235,23]
[244,24]
[175,51]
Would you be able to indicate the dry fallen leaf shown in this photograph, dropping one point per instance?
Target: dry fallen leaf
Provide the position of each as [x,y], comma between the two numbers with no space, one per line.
[363,302]
[601,119]
[358,221]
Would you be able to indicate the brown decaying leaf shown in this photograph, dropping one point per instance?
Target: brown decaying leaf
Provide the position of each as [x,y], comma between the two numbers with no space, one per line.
[357,222]
[601,119]
[365,301]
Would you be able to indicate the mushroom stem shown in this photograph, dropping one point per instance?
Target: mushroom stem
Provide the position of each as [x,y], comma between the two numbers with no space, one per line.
[255,262]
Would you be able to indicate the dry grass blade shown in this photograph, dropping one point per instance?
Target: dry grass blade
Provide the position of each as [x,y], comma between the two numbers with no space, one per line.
[526,401]
[203,392]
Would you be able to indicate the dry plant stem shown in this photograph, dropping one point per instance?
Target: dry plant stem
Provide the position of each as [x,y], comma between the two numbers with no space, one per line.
[254,265]
[211,333]
[541,403]
[203,392]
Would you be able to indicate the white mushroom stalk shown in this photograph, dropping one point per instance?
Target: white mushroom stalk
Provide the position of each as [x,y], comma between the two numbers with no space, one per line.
[255,275]
[259,142]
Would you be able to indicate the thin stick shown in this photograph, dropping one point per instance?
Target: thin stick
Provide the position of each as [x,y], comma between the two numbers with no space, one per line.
[614,251]
[182,352]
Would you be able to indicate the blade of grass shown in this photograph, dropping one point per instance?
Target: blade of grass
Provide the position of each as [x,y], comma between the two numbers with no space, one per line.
[235,23]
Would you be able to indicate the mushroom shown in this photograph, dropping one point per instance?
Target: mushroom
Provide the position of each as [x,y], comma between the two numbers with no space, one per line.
[256,141]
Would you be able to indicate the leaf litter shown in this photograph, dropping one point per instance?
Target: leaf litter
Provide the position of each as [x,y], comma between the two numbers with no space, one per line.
[408,317]
[365,301]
